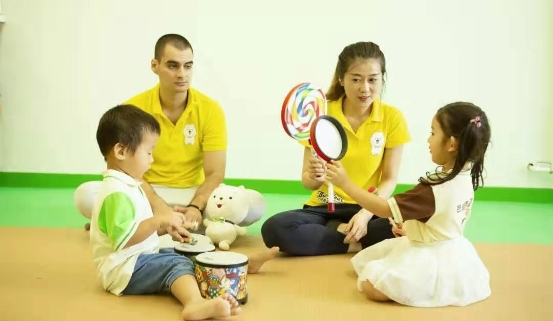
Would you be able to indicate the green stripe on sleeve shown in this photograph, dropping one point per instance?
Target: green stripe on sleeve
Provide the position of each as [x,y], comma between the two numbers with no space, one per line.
[127,237]
[117,219]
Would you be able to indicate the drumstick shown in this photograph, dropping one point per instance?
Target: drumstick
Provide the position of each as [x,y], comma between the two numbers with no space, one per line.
[331,207]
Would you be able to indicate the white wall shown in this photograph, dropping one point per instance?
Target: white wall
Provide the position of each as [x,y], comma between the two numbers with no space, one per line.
[62,65]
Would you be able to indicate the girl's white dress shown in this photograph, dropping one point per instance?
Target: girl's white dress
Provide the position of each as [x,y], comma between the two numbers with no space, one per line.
[434,265]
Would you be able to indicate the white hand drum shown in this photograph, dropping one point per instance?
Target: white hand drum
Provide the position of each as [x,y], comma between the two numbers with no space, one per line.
[330,142]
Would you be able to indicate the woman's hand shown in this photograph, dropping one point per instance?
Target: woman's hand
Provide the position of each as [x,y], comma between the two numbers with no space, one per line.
[357,226]
[336,174]
[316,169]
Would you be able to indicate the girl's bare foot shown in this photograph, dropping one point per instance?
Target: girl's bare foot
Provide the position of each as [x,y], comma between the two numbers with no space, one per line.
[256,261]
[220,307]
[355,247]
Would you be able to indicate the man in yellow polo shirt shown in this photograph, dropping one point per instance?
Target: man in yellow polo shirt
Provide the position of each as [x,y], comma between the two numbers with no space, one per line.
[190,156]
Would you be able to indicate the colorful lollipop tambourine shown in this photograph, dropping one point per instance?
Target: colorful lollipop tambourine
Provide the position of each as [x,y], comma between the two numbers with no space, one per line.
[303,104]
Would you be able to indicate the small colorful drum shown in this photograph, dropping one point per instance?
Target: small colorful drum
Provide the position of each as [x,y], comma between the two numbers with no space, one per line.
[194,248]
[221,272]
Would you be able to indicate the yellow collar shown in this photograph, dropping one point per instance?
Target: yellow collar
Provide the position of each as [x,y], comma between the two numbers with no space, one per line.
[377,113]
[156,101]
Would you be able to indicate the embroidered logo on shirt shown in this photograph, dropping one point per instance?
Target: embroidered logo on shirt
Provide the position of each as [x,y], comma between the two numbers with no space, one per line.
[466,209]
[377,142]
[189,134]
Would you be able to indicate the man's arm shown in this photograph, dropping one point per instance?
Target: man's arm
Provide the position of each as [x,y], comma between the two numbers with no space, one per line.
[214,169]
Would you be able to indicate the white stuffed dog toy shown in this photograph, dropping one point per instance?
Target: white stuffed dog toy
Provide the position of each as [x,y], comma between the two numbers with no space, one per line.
[229,209]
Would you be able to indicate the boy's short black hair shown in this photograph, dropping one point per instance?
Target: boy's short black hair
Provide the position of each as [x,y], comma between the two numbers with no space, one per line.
[124,124]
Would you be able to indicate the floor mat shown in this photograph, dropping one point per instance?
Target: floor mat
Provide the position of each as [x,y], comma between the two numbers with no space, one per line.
[47,274]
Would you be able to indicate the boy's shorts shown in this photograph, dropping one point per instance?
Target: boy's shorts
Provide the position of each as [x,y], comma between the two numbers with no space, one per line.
[154,273]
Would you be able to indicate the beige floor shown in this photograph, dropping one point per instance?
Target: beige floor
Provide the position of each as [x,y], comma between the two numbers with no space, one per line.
[46,274]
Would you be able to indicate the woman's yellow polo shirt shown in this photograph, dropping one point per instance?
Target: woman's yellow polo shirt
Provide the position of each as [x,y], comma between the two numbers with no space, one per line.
[385,128]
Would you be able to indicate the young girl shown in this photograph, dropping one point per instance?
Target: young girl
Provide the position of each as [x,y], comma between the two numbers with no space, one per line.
[434,264]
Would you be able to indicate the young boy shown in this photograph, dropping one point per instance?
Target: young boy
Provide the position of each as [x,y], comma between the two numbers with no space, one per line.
[124,233]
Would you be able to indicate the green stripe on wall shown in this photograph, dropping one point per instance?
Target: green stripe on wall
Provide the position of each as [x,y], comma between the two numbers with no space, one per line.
[47,180]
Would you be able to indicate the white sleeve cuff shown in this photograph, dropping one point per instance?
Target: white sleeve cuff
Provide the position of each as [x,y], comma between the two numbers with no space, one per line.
[396,213]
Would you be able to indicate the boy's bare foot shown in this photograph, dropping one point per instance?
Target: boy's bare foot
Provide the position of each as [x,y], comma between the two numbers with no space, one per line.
[256,261]
[220,307]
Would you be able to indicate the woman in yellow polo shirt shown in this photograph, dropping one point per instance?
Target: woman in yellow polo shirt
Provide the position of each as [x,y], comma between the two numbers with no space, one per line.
[376,133]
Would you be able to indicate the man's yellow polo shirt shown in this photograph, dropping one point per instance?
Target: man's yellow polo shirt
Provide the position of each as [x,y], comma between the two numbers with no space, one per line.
[178,155]
[384,128]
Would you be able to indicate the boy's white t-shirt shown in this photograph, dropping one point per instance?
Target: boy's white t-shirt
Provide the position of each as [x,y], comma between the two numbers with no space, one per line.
[119,208]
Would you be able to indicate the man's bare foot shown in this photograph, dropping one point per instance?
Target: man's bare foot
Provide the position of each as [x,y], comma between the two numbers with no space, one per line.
[220,307]
[256,261]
